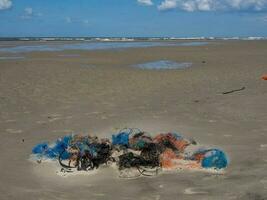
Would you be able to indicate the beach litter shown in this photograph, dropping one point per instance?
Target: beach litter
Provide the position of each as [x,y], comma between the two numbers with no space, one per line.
[132,151]
[264,77]
[236,90]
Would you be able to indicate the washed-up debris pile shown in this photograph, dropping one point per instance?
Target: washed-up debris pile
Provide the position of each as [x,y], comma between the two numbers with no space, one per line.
[131,149]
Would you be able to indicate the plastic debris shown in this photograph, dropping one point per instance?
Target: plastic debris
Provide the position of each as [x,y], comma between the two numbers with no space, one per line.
[40,148]
[54,150]
[172,141]
[121,139]
[212,158]
[264,77]
[130,149]
[171,161]
[236,90]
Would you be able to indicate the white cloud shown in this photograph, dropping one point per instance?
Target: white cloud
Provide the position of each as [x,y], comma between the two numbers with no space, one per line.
[213,5]
[85,21]
[5,4]
[167,5]
[145,2]
[264,19]
[68,20]
[29,13]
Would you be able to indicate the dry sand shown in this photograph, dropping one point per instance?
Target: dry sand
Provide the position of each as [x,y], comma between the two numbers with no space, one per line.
[46,95]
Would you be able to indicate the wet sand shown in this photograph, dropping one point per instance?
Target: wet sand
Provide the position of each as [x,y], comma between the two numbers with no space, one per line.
[46,95]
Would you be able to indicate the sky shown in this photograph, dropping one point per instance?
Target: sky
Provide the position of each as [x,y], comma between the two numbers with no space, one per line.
[133,18]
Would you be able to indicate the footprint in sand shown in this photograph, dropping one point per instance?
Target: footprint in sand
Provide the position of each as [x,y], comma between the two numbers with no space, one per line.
[104,117]
[112,115]
[192,191]
[99,194]
[55,115]
[63,131]
[54,119]
[69,117]
[212,121]
[40,122]
[51,117]
[13,131]
[263,147]
[227,135]
[264,182]
[10,121]
[93,113]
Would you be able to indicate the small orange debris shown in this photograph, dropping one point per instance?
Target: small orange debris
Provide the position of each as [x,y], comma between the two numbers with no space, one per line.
[166,159]
[199,157]
[180,144]
[170,161]
[264,77]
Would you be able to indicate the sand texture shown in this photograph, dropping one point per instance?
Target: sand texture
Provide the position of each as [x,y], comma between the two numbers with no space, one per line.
[45,95]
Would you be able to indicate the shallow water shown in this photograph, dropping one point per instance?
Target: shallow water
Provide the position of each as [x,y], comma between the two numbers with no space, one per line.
[11,58]
[95,46]
[69,55]
[164,64]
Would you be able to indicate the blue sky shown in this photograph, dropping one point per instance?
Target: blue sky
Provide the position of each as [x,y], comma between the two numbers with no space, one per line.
[138,18]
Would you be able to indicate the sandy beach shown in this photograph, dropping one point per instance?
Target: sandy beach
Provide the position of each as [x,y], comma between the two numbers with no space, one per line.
[48,94]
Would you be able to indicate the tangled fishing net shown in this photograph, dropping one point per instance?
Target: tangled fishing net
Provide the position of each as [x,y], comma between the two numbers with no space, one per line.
[134,152]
